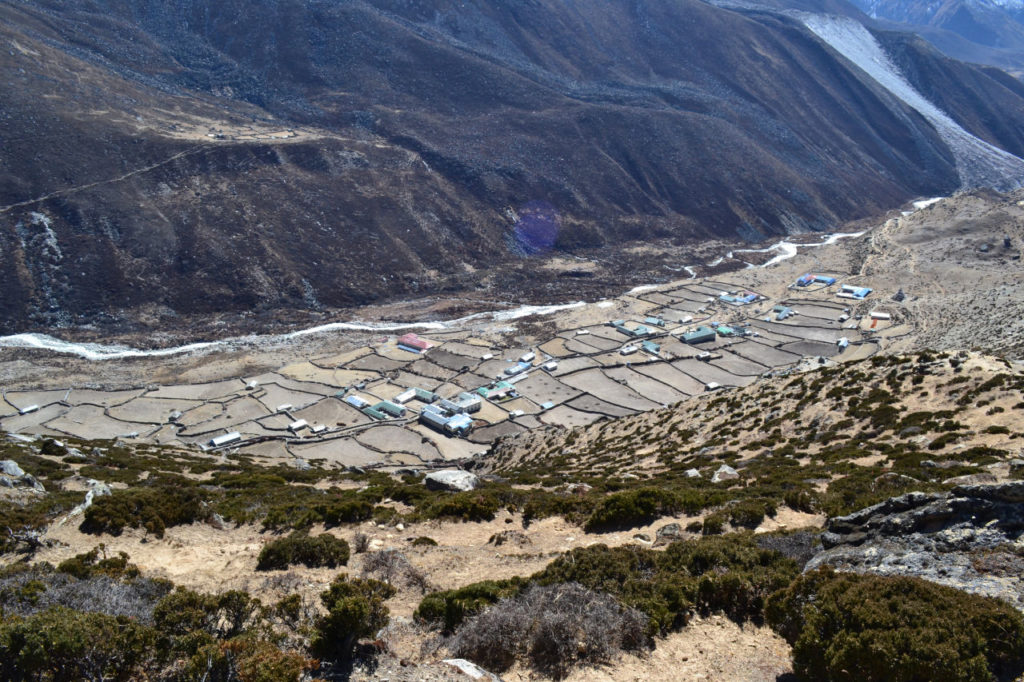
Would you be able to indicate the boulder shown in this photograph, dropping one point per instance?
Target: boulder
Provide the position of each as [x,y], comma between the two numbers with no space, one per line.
[451,479]
[9,467]
[98,488]
[944,464]
[893,478]
[724,473]
[471,670]
[670,532]
[29,481]
[54,448]
[20,438]
[218,522]
[512,537]
[972,479]
[692,473]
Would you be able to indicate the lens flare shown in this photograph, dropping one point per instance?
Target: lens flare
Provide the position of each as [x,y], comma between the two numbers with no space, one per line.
[536,229]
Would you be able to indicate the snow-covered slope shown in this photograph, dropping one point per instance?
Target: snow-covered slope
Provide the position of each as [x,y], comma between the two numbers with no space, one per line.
[979,163]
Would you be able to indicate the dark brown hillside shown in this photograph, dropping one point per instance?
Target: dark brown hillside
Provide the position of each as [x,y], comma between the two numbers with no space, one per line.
[192,157]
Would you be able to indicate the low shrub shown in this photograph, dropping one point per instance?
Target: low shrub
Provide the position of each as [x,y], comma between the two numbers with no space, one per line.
[355,609]
[798,545]
[448,609]
[632,508]
[97,619]
[424,541]
[185,614]
[89,565]
[345,511]
[465,506]
[734,573]
[392,567]
[153,508]
[64,644]
[324,550]
[257,660]
[113,590]
[864,487]
[845,626]
[730,574]
[714,524]
[554,628]
[750,513]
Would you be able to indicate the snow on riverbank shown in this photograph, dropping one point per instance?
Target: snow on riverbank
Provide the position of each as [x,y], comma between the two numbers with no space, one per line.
[95,351]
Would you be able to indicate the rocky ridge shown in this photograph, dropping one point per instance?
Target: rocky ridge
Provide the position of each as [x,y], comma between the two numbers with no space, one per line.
[968,538]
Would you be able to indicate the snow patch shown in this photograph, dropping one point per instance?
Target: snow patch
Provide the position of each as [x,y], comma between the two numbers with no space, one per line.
[48,243]
[786,249]
[925,203]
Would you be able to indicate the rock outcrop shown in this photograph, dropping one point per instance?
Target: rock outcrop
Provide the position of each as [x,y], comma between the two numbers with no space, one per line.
[13,476]
[969,538]
[724,473]
[451,479]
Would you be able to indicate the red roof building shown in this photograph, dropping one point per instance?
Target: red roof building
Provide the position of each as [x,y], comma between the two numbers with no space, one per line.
[414,341]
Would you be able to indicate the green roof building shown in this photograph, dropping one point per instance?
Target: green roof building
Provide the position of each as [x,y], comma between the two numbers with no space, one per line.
[374,413]
[425,396]
[699,335]
[388,407]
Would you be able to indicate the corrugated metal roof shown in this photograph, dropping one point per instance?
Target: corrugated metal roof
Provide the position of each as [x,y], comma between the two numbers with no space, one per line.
[425,395]
[433,419]
[390,408]
[374,413]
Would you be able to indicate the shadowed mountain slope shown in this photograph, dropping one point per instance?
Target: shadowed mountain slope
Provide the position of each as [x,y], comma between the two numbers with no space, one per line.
[191,157]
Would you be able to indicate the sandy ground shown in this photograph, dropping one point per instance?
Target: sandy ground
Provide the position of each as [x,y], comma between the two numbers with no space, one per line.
[204,558]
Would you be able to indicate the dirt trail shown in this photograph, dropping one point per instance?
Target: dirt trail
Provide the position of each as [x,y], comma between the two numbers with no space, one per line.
[120,178]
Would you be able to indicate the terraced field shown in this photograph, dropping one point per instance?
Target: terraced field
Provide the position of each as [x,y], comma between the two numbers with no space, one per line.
[593,380]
